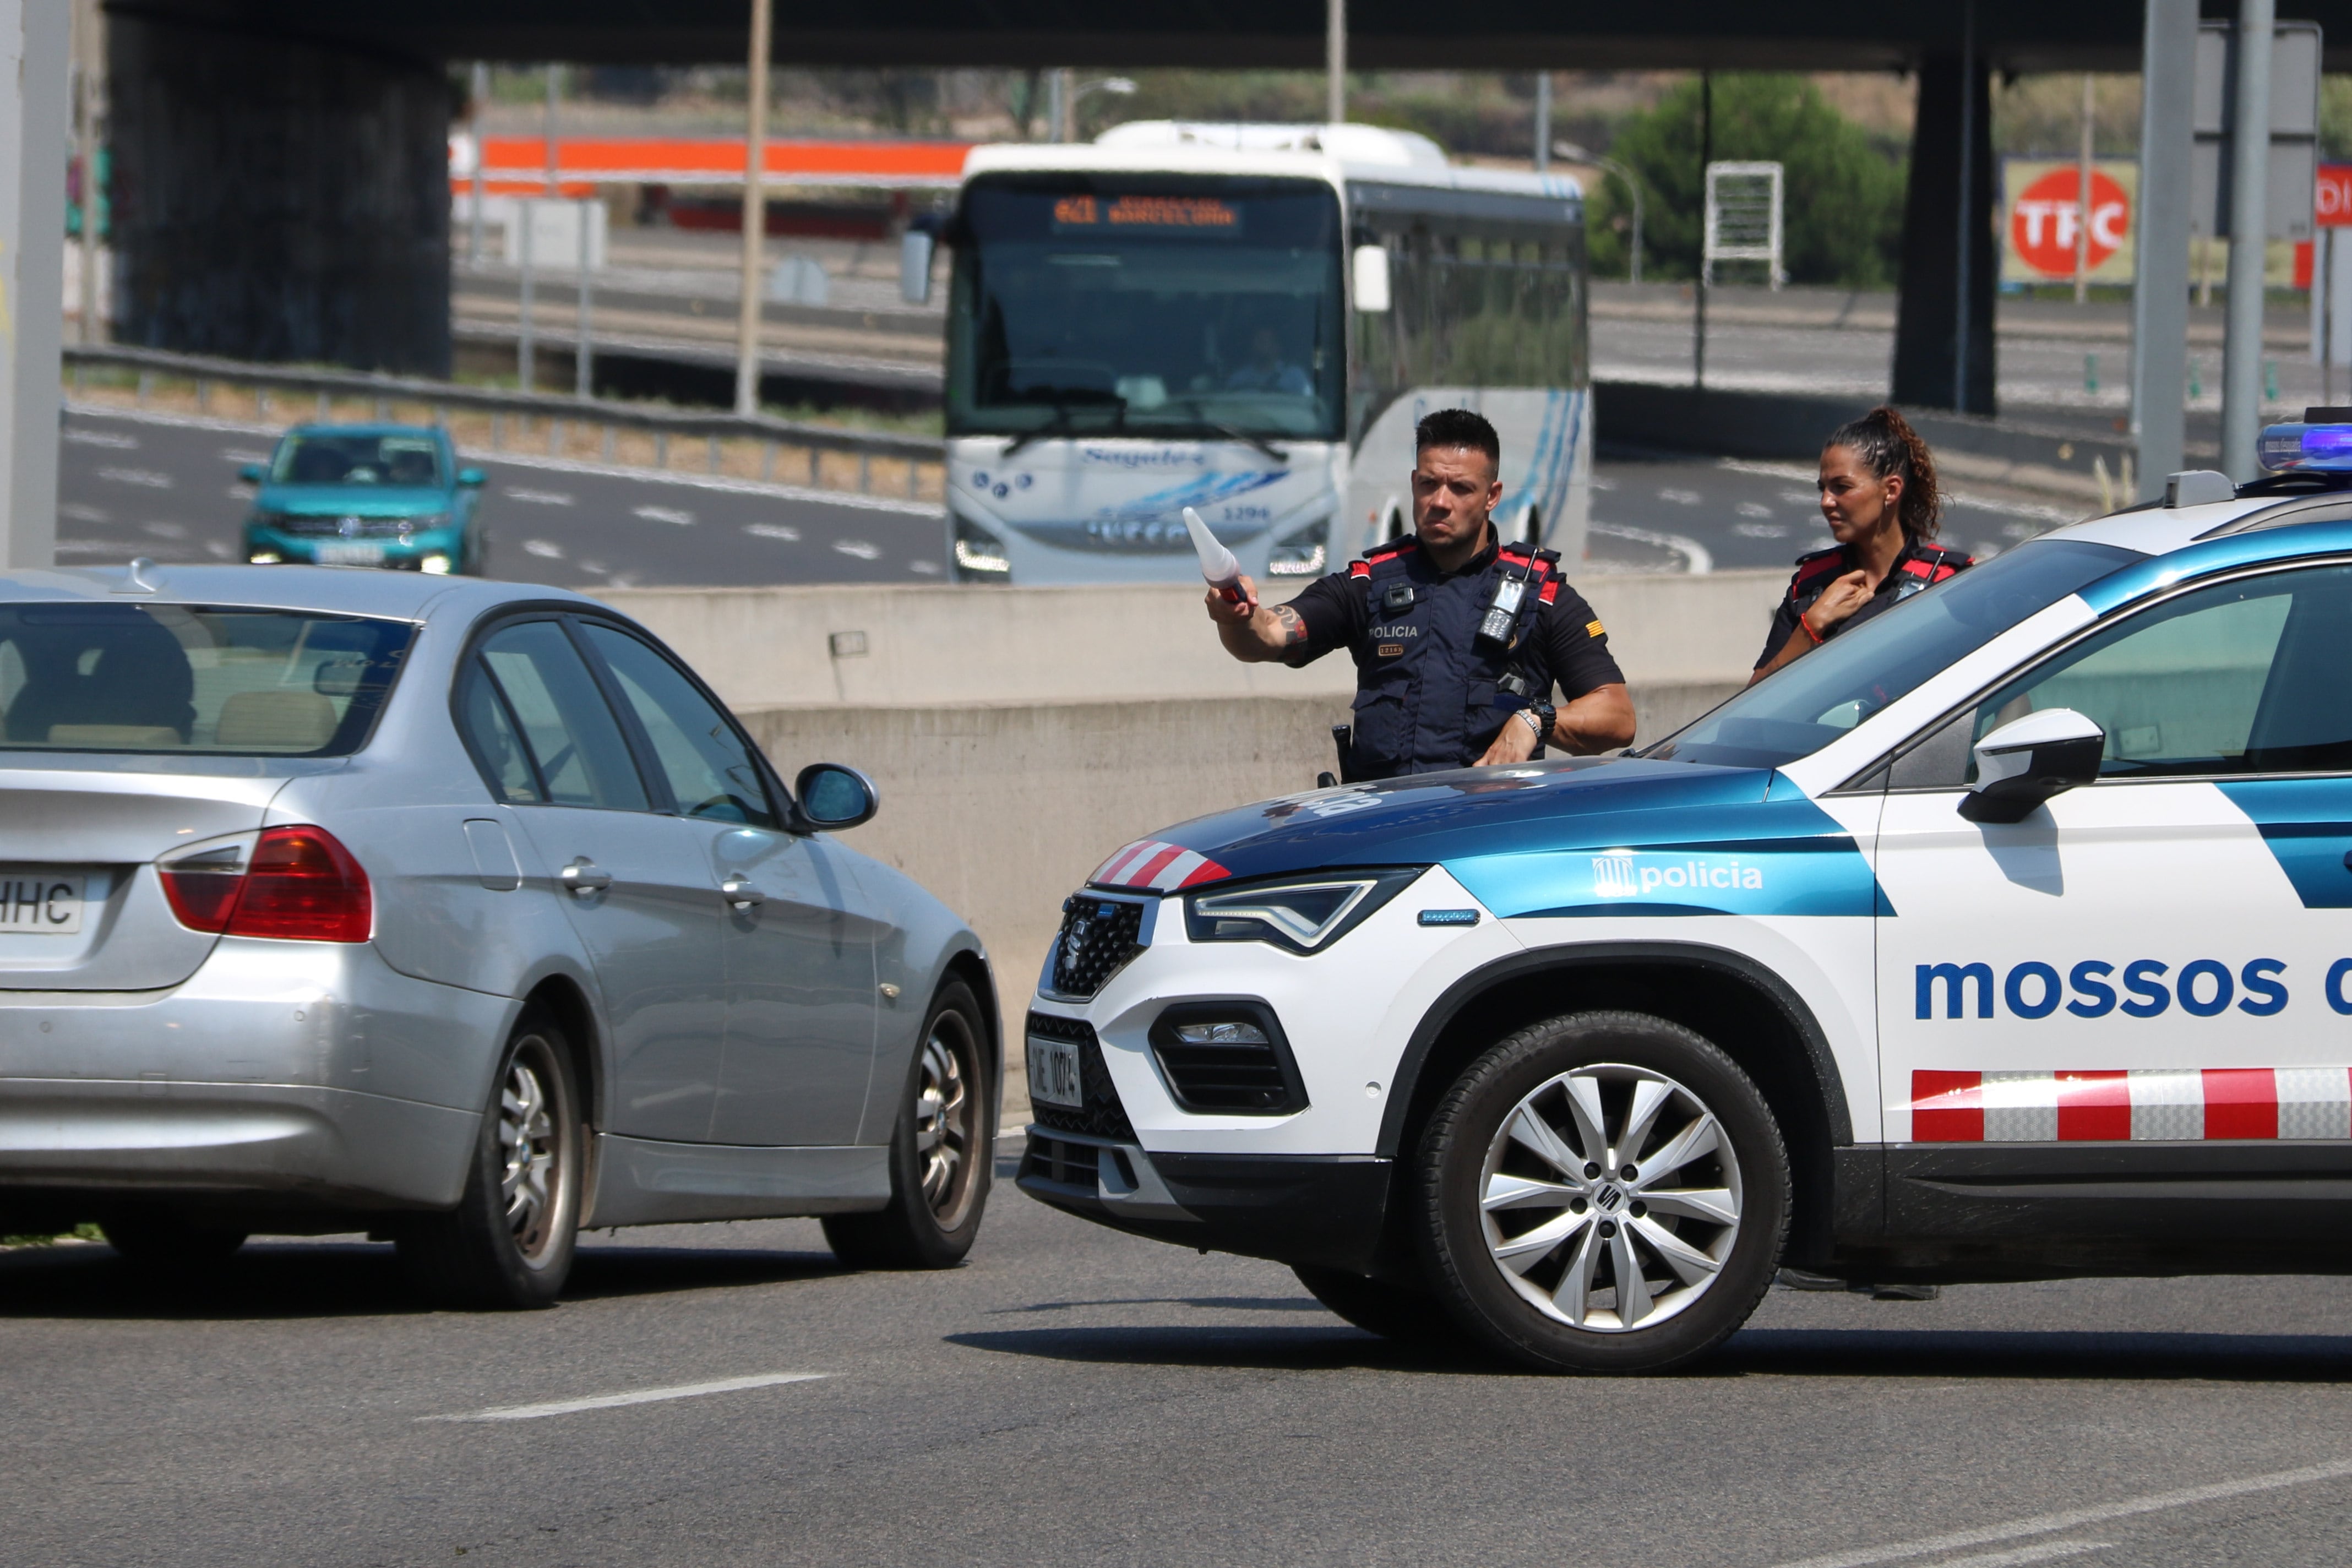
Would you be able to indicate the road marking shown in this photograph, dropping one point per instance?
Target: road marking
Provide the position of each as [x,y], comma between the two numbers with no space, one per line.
[239,455]
[1698,560]
[2073,1518]
[860,548]
[164,530]
[785,531]
[1752,508]
[80,513]
[147,477]
[927,568]
[536,498]
[543,547]
[1679,497]
[636,1396]
[2046,1553]
[664,514]
[113,438]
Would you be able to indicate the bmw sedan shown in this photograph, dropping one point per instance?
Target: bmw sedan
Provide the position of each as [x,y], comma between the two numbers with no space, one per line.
[458,913]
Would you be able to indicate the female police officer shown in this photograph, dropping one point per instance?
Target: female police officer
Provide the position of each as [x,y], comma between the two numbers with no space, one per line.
[1457,639]
[1879,494]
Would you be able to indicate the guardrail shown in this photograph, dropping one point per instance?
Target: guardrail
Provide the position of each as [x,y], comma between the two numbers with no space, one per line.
[564,422]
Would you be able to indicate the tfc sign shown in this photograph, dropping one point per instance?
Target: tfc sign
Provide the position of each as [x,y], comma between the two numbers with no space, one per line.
[2331,204]
[2045,213]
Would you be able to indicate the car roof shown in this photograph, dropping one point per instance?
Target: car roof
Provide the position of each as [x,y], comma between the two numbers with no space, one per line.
[328,590]
[314,428]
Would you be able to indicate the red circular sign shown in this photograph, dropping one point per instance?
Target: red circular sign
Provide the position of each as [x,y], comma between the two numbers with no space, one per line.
[2042,221]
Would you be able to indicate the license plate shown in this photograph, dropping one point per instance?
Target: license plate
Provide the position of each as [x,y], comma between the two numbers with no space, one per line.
[1054,1073]
[349,554]
[32,904]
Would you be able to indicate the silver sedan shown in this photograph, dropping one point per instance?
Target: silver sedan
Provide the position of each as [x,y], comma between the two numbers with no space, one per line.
[461,912]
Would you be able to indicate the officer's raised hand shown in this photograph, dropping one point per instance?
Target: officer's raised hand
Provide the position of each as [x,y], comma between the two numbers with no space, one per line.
[1252,632]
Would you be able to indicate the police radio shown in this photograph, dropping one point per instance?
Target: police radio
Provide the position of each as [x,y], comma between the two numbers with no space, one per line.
[1498,628]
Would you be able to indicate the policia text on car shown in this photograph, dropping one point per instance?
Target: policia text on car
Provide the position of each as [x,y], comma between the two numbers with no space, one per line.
[1458,639]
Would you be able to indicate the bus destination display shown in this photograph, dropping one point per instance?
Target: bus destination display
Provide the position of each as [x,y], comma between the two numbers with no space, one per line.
[1206,216]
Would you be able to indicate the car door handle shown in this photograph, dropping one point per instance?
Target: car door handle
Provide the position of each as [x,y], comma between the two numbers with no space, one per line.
[741,893]
[584,875]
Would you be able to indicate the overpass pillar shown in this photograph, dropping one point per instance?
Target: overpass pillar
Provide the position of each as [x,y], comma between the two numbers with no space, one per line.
[277,199]
[1929,317]
[33,61]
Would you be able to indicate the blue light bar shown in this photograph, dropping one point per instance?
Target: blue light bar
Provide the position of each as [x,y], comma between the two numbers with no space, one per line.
[2322,448]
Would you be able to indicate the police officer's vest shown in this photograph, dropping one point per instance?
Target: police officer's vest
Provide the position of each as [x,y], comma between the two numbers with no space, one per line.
[1426,695]
[1922,565]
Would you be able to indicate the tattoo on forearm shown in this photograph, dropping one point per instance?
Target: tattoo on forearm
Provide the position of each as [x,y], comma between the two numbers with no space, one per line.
[1294,629]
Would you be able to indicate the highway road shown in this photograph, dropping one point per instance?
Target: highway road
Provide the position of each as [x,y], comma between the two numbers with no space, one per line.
[165,487]
[1075,1397]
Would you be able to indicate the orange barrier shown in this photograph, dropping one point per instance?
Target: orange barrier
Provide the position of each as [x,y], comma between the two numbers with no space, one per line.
[517,165]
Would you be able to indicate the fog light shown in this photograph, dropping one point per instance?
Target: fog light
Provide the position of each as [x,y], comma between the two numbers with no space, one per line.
[436,563]
[1220,1034]
[262,558]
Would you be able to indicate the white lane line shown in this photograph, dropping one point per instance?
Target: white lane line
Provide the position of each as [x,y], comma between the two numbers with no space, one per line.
[783,531]
[547,549]
[860,548]
[2075,1518]
[2047,1552]
[240,455]
[111,438]
[1697,558]
[924,509]
[537,497]
[147,477]
[80,513]
[669,514]
[927,568]
[635,1396]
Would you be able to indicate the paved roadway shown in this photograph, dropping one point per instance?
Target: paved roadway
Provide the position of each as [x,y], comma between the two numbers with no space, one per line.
[164,486]
[1071,1395]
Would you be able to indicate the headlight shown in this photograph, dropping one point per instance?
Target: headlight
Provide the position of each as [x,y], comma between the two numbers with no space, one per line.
[262,558]
[1303,554]
[980,555]
[436,563]
[1303,916]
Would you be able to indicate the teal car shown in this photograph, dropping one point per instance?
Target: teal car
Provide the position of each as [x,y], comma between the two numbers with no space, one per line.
[366,495]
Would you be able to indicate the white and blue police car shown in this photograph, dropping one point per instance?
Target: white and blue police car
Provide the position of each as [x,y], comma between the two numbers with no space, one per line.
[2007,937]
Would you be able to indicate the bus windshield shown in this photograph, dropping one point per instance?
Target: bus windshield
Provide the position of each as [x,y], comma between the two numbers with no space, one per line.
[1096,304]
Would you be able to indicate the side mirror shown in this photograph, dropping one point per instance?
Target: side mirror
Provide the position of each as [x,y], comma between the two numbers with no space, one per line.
[2029,760]
[250,474]
[472,478]
[832,797]
[1370,271]
[914,267]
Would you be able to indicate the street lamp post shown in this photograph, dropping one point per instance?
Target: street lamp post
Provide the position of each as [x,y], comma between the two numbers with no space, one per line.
[1576,154]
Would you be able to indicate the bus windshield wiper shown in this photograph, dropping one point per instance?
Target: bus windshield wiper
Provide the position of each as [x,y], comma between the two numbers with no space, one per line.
[1235,432]
[1060,424]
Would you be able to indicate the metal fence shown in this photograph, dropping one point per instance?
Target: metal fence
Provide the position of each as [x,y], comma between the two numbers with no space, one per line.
[513,414]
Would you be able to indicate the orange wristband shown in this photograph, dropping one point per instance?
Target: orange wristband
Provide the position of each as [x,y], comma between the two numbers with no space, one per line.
[1806,628]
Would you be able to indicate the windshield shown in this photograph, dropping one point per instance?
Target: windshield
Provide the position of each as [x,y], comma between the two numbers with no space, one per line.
[1147,306]
[174,677]
[347,458]
[1837,685]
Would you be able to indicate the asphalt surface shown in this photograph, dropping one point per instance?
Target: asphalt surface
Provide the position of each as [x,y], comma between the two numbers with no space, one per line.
[1071,1396]
[165,487]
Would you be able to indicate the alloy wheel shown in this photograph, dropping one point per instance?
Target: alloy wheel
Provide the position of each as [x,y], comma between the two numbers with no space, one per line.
[1610,1198]
[532,1146]
[945,1118]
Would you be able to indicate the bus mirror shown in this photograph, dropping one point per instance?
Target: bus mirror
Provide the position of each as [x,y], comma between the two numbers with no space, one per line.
[914,267]
[1371,279]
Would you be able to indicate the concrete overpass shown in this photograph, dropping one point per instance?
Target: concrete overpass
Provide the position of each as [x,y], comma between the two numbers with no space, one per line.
[279,163]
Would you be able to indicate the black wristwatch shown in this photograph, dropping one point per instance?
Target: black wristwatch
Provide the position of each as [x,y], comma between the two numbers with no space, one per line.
[1545,714]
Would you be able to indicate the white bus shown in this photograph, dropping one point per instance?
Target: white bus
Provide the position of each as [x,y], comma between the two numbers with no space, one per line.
[1248,319]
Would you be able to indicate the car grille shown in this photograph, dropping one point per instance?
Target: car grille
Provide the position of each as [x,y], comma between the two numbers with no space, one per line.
[1097,940]
[1102,1116]
[1236,1079]
[333,527]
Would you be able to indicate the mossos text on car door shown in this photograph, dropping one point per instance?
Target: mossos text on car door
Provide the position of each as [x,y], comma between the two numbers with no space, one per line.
[2163,957]
[630,879]
[799,945]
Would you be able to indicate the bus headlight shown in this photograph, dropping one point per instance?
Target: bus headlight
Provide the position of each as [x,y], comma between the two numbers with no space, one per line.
[980,555]
[1305,553]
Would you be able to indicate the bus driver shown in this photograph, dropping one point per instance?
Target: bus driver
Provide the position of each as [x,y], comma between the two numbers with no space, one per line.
[1458,639]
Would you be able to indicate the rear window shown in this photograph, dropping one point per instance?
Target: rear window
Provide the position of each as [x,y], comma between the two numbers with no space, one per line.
[357,459]
[178,678]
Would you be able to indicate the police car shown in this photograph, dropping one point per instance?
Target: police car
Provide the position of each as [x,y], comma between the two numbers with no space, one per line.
[2008,937]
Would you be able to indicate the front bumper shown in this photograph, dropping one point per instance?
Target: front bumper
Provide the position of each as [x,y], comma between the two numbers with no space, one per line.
[1322,1210]
[396,552]
[290,1073]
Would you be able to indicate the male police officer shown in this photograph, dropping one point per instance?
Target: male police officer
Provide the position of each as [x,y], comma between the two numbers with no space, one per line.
[1458,639]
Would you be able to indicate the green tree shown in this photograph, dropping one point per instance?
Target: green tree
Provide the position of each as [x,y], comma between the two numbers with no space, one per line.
[1842,189]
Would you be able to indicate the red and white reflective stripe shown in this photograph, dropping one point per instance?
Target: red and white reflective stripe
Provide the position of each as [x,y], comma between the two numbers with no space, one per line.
[2145,1105]
[1163,867]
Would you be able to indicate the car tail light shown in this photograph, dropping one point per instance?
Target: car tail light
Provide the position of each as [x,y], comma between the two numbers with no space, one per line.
[292,884]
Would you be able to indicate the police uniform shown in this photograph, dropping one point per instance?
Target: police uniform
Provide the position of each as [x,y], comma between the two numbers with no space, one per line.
[1922,564]
[1429,697]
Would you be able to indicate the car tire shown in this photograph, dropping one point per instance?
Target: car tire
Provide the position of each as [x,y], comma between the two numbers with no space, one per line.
[1381,1307]
[509,1242]
[942,1147]
[1546,1234]
[161,1240]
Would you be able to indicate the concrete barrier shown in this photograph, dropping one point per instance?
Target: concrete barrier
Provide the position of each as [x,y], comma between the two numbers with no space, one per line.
[931,646]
